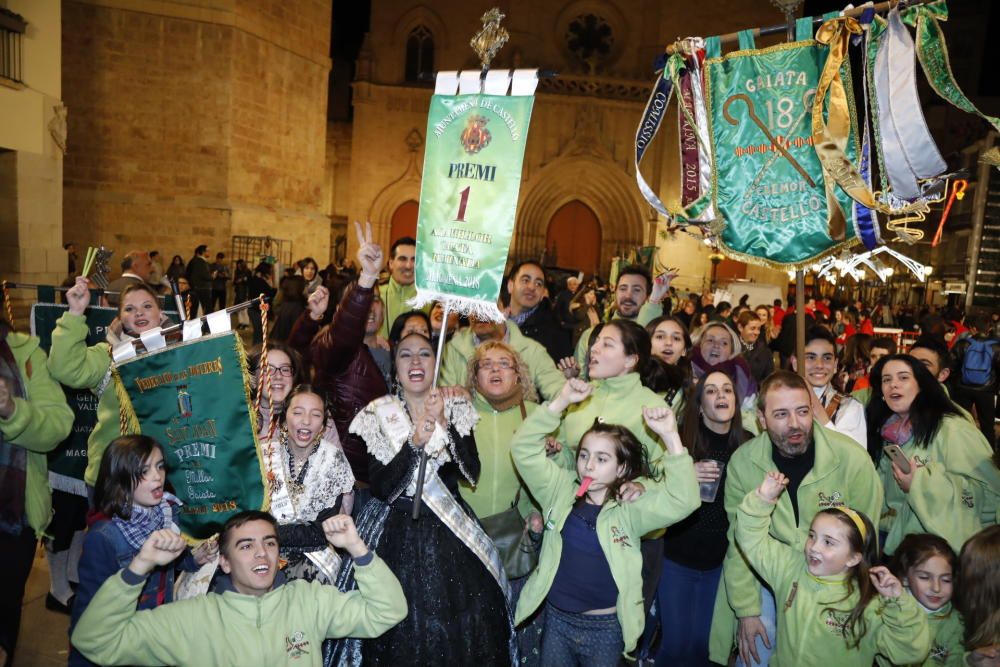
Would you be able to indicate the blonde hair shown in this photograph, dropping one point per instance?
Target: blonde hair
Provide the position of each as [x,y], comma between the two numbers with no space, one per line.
[523,371]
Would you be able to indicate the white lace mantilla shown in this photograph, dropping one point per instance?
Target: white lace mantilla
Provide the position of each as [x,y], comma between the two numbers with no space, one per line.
[329,476]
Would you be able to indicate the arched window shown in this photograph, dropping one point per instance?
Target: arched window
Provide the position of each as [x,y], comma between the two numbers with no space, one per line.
[419,53]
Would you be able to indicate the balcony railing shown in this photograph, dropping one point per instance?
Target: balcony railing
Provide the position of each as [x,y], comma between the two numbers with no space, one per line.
[12,27]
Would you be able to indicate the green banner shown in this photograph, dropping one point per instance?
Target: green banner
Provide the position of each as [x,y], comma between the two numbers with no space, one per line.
[194,399]
[468,198]
[768,181]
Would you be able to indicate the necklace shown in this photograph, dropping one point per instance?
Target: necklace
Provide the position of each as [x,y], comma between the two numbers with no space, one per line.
[296,481]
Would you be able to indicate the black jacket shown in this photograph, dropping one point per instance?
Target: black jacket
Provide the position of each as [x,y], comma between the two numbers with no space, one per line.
[543,326]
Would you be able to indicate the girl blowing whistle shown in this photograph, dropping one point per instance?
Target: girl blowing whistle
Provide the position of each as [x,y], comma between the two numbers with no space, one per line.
[588,573]
[828,613]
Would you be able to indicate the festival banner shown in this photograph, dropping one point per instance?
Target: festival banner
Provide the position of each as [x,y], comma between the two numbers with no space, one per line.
[769,183]
[468,195]
[68,461]
[193,398]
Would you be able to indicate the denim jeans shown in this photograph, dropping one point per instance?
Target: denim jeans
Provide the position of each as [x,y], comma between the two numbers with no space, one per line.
[572,640]
[685,601]
[768,616]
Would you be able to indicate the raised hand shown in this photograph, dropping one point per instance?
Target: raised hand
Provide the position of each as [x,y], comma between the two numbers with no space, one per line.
[569,367]
[574,391]
[206,551]
[885,582]
[661,286]
[160,548]
[340,532]
[318,302]
[552,446]
[369,255]
[629,492]
[78,296]
[772,486]
[660,420]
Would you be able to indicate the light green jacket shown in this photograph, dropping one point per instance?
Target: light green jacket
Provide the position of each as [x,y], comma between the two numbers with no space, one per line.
[617,400]
[455,366]
[76,365]
[842,474]
[498,482]
[38,424]
[809,631]
[286,626]
[647,313]
[394,300]
[953,494]
[947,647]
[619,525]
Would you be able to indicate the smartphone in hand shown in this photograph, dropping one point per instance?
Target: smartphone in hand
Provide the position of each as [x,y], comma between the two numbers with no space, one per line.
[898,457]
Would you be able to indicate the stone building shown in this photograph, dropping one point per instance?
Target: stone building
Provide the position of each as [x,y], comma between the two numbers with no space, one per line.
[578,201]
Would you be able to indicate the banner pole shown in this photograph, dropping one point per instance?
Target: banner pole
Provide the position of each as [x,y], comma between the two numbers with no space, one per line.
[422,471]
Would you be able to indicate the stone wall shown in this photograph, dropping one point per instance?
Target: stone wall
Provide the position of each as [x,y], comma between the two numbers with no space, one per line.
[192,122]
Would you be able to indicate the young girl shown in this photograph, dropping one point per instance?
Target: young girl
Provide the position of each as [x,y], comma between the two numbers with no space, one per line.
[827,611]
[926,566]
[978,597]
[589,571]
[309,480]
[131,503]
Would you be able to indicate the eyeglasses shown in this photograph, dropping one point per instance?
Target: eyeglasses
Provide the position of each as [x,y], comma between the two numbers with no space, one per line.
[502,365]
[284,371]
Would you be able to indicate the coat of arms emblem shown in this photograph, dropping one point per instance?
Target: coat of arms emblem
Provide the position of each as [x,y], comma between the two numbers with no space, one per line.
[475,136]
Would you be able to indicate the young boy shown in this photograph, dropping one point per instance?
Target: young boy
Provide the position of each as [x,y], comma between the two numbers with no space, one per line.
[257,619]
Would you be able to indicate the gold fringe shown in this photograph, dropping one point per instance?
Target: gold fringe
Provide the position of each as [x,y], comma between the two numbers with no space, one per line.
[128,421]
[252,415]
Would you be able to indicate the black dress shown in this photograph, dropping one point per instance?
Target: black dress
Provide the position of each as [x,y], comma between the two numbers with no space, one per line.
[457,613]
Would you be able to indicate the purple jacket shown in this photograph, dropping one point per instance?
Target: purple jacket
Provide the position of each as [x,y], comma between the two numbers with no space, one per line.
[343,367]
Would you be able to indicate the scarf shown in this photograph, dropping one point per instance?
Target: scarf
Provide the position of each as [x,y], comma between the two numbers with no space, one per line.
[13,459]
[147,520]
[735,367]
[897,431]
[523,316]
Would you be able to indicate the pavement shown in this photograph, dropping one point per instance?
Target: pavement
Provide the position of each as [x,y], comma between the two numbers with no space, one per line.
[43,641]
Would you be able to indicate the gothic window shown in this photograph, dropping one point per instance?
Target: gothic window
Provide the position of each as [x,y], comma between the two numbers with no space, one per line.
[589,38]
[419,54]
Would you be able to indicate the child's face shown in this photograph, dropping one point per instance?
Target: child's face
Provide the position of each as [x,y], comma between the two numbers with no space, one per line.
[148,492]
[305,419]
[598,460]
[930,582]
[828,550]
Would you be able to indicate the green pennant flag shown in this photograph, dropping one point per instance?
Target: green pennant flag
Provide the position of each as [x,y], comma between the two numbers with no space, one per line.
[468,198]
[194,399]
[769,183]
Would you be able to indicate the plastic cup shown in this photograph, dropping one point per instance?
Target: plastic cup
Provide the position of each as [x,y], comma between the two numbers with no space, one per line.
[709,490]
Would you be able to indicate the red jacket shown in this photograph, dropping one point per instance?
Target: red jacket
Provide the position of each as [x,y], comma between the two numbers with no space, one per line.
[343,367]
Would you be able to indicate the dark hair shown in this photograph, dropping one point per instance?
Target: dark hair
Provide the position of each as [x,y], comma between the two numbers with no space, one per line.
[821,333]
[918,548]
[306,388]
[154,253]
[636,270]
[306,261]
[629,452]
[200,249]
[238,521]
[398,324]
[855,626]
[777,379]
[402,240]
[528,262]
[977,595]
[653,324]
[121,470]
[635,341]
[220,255]
[177,260]
[127,260]
[300,370]
[938,347]
[667,378]
[293,289]
[263,269]
[723,306]
[929,406]
[693,434]
[745,317]
[885,344]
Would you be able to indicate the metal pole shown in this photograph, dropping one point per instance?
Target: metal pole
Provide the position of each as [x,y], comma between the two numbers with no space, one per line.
[422,470]
[800,321]
[978,221]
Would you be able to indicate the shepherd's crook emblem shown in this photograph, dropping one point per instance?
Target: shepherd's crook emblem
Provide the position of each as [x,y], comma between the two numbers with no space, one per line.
[767,132]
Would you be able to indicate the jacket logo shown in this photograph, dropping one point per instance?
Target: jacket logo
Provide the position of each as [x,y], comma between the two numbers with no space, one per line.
[475,136]
[834,624]
[939,654]
[968,498]
[297,645]
[835,499]
[619,537]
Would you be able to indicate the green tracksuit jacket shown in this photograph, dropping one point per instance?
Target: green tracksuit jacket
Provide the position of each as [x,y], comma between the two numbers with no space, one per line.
[76,365]
[394,299]
[38,424]
[809,632]
[947,647]
[842,474]
[286,626]
[952,495]
[455,366]
[647,313]
[619,525]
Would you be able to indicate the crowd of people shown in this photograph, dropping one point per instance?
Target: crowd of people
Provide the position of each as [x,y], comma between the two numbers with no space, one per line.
[611,474]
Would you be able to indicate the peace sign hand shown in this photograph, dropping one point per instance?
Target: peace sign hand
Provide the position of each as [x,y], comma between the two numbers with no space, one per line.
[369,255]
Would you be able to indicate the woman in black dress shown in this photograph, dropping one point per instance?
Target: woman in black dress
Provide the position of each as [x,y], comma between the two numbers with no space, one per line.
[455,586]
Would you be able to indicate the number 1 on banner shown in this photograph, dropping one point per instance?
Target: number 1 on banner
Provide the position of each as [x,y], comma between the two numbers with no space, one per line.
[463,204]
